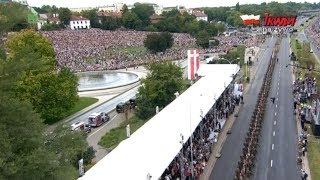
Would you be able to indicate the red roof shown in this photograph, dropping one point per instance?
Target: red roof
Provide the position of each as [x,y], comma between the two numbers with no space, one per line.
[78,18]
[199,14]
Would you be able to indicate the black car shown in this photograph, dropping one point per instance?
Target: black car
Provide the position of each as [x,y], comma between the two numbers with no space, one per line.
[120,107]
[132,102]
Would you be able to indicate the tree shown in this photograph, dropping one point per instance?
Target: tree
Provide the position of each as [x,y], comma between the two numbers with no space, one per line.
[125,9]
[23,151]
[32,62]
[203,39]
[151,28]
[64,15]
[10,20]
[234,19]
[158,42]
[237,7]
[158,88]
[109,23]
[131,21]
[143,11]
[51,94]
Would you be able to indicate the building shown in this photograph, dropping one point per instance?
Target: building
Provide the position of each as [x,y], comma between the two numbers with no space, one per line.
[80,9]
[48,18]
[79,22]
[200,15]
[117,7]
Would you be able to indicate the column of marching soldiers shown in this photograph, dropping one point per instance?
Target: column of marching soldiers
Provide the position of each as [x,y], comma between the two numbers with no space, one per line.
[249,151]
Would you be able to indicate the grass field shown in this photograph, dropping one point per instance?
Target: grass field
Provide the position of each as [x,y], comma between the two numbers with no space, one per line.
[111,139]
[314,155]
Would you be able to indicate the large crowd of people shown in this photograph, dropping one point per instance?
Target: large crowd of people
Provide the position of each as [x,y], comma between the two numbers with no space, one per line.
[96,49]
[313,32]
[203,138]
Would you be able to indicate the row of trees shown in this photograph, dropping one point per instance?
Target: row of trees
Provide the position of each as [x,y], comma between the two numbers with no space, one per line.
[231,15]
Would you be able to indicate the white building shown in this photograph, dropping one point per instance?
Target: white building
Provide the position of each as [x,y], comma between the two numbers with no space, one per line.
[200,15]
[117,7]
[79,22]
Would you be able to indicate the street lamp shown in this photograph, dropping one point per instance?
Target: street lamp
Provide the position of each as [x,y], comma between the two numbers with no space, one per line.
[181,157]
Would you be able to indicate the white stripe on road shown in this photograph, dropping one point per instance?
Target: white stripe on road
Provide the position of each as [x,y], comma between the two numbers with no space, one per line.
[275,113]
[274,133]
[103,125]
[271,163]
[276,105]
[272,146]
[274,122]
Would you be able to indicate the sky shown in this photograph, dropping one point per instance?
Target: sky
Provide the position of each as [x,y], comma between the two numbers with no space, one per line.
[165,3]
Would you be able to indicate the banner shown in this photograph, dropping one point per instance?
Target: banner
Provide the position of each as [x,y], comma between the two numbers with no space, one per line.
[193,63]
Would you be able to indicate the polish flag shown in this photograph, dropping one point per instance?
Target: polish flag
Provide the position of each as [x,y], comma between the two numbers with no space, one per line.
[193,63]
[250,19]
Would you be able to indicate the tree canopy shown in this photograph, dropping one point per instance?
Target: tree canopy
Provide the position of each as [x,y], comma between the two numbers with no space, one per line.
[64,15]
[32,61]
[158,88]
[158,42]
[143,11]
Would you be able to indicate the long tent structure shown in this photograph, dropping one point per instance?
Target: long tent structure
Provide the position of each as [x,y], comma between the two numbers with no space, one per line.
[150,150]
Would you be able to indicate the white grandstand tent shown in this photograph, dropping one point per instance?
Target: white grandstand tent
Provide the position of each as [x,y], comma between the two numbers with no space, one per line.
[150,150]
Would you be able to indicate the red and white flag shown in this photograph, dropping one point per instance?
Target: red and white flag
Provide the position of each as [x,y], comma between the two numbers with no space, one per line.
[193,63]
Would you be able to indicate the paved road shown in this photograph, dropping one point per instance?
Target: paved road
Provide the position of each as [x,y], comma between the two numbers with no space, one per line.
[278,148]
[226,165]
[107,106]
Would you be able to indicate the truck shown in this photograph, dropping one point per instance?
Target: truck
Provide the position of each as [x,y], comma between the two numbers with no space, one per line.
[97,119]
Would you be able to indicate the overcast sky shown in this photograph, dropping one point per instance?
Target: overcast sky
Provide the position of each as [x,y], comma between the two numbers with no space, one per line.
[166,3]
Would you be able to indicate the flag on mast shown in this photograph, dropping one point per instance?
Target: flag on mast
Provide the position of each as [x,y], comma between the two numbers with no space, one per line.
[193,63]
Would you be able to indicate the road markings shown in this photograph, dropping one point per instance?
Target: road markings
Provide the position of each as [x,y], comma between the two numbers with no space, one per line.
[103,125]
[271,163]
[272,146]
[274,133]
[276,105]
[275,113]
[274,122]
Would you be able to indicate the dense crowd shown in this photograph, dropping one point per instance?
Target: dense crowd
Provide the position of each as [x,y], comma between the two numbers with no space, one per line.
[96,49]
[313,32]
[203,138]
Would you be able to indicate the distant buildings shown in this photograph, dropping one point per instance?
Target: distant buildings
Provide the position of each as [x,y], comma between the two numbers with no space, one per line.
[48,18]
[23,2]
[200,15]
[79,22]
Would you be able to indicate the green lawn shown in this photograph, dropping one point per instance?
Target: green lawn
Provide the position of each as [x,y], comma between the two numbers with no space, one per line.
[314,155]
[111,139]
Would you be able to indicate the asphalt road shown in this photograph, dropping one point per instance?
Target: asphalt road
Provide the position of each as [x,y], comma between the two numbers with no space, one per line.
[226,165]
[107,106]
[278,148]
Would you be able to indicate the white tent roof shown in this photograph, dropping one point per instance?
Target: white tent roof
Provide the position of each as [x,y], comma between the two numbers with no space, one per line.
[151,149]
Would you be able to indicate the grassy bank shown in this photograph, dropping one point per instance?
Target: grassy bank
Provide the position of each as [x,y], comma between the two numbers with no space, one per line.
[314,155]
[82,103]
[111,139]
